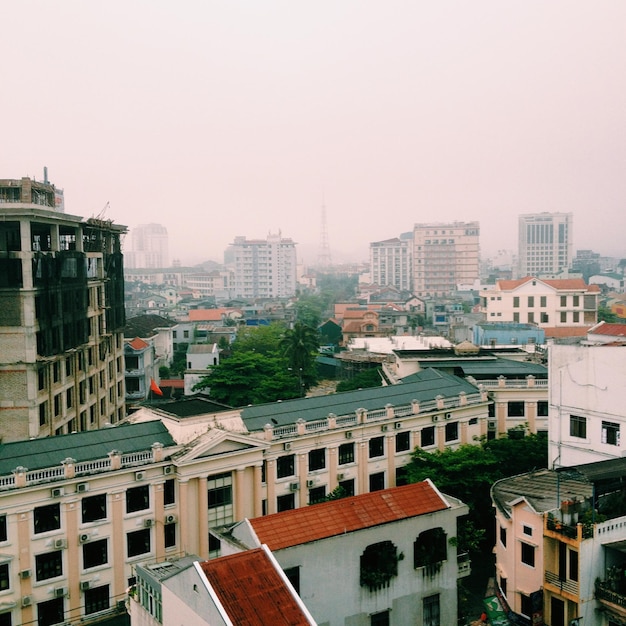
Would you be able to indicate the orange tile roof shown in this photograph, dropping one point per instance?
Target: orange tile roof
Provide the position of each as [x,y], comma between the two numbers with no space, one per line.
[566,284]
[612,330]
[566,331]
[336,517]
[205,315]
[252,592]
[138,344]
[175,383]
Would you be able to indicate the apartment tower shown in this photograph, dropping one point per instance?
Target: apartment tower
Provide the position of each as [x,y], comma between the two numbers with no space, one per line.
[61,316]
[545,244]
[390,263]
[445,256]
[149,247]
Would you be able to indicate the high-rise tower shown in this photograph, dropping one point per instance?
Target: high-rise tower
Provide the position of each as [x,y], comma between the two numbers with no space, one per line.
[61,316]
[545,243]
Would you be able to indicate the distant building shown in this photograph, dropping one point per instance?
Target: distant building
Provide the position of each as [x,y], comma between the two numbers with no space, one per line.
[61,316]
[148,247]
[390,263]
[264,268]
[444,256]
[545,243]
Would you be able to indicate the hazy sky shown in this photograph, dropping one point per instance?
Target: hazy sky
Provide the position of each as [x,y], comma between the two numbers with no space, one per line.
[219,119]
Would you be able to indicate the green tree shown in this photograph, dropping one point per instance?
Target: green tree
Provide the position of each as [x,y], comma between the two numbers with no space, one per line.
[363,380]
[299,345]
[259,339]
[606,315]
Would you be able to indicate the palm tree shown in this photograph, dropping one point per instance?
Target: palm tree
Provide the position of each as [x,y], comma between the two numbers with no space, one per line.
[299,345]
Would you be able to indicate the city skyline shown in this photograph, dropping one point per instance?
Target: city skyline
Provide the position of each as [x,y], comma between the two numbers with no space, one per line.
[224,120]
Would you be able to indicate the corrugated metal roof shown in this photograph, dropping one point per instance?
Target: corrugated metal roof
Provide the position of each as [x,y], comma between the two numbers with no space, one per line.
[491,367]
[425,386]
[337,517]
[252,591]
[85,446]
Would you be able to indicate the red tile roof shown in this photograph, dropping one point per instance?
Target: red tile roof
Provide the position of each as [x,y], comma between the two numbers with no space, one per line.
[205,315]
[138,344]
[252,591]
[336,517]
[566,284]
[175,383]
[566,331]
[613,330]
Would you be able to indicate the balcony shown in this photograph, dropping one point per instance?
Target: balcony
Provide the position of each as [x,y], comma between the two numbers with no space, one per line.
[464,565]
[564,585]
[611,593]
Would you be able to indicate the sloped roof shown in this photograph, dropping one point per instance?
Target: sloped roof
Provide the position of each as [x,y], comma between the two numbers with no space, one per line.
[556,332]
[85,446]
[485,367]
[138,344]
[206,315]
[611,330]
[193,406]
[338,517]
[567,284]
[252,591]
[146,325]
[425,386]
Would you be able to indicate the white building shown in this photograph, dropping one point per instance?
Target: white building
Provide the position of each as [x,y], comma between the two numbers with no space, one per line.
[444,256]
[149,247]
[200,358]
[547,303]
[586,404]
[545,243]
[390,263]
[264,268]
[388,552]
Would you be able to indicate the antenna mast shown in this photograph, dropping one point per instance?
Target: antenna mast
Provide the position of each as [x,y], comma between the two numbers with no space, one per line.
[323,257]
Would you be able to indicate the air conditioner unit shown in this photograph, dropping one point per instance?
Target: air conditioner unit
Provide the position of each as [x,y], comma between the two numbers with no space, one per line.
[435,418]
[294,486]
[83,538]
[140,475]
[310,483]
[349,434]
[59,592]
[168,469]
[26,600]
[340,476]
[84,585]
[25,573]
[448,416]
[148,523]
[171,518]
[59,543]
[57,492]
[82,487]
[287,446]
[397,425]
[384,427]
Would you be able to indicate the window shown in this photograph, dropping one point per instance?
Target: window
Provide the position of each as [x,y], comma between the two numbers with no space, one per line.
[531,317]
[49,565]
[380,619]
[57,405]
[348,487]
[50,612]
[402,476]
[293,576]
[317,459]
[515,302]
[220,498]
[563,300]
[543,301]
[542,408]
[578,426]
[403,441]
[4,576]
[169,492]
[531,302]
[376,447]
[526,605]
[545,318]
[46,518]
[576,317]
[563,317]
[286,502]
[516,318]
[69,398]
[97,599]
[377,481]
[169,535]
[452,431]
[430,549]
[285,466]
[5,619]
[95,553]
[575,300]
[137,498]
[428,436]
[503,536]
[138,542]
[431,611]
[515,409]
[346,453]
[317,494]
[379,564]
[3,528]
[94,508]
[610,433]
[528,554]
[527,530]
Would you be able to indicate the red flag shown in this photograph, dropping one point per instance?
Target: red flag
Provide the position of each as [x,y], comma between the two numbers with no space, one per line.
[155,388]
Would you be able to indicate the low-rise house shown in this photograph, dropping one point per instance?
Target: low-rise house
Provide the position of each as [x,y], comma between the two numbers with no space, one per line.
[382,557]
[603,333]
[507,334]
[201,357]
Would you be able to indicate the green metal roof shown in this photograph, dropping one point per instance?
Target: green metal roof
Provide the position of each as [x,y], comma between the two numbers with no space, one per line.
[424,386]
[85,446]
[490,368]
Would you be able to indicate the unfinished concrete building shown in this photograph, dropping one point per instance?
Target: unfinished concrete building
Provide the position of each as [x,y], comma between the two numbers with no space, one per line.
[61,316]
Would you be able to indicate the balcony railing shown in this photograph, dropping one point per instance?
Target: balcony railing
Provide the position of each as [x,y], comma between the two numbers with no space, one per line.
[605,592]
[564,584]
